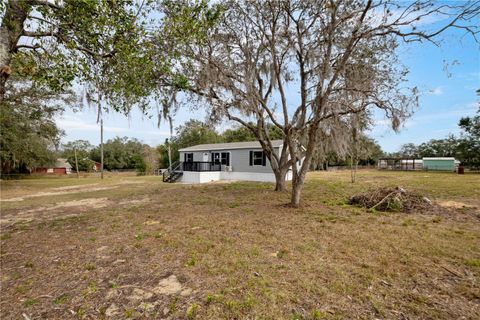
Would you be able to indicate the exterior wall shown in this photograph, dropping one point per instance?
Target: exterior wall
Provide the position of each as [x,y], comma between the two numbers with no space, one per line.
[53,170]
[204,177]
[248,176]
[240,162]
[239,159]
[440,165]
[200,177]
[289,175]
[197,155]
[241,169]
[252,176]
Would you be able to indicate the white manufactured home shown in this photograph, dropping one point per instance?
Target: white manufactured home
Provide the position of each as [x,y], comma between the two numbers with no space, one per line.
[224,161]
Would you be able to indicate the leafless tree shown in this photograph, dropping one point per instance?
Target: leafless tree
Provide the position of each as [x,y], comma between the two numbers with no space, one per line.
[340,56]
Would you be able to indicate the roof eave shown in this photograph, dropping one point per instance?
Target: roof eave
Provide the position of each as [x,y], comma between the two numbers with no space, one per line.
[211,149]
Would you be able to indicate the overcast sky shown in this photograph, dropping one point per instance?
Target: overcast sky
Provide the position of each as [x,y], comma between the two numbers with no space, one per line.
[446,97]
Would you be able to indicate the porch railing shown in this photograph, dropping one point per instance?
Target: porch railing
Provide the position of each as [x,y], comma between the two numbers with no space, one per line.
[173,172]
[200,166]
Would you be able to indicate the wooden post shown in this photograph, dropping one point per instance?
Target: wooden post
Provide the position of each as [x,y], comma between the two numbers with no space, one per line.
[169,155]
[101,148]
[76,161]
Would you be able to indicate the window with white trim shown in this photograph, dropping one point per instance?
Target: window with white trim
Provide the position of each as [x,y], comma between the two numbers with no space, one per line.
[188,157]
[221,157]
[257,158]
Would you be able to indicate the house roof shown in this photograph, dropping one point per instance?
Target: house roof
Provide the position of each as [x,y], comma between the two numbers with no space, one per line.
[439,158]
[231,145]
[62,163]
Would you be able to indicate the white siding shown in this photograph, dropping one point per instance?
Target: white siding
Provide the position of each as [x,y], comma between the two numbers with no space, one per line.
[239,160]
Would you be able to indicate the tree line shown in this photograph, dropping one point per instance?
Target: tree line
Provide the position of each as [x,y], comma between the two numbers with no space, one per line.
[120,153]
[464,147]
[236,59]
[123,153]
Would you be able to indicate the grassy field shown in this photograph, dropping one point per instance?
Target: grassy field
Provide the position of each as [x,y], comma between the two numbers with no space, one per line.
[134,247]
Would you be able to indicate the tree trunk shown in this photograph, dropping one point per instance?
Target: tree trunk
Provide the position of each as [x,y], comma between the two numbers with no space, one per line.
[280,182]
[297,186]
[352,178]
[299,175]
[11,30]
[299,178]
[354,172]
[5,58]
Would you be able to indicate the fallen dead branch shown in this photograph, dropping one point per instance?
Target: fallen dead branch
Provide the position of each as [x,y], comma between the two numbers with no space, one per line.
[392,199]
[455,273]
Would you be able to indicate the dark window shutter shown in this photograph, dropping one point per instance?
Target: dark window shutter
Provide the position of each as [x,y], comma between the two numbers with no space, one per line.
[264,160]
[228,158]
[251,158]
[184,157]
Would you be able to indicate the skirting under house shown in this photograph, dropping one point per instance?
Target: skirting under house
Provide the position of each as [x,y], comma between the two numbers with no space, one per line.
[204,177]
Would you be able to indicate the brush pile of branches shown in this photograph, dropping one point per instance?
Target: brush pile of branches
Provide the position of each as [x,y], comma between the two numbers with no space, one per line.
[392,199]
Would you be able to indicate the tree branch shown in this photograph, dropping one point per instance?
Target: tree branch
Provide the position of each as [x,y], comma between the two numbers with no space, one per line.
[35,34]
[45,3]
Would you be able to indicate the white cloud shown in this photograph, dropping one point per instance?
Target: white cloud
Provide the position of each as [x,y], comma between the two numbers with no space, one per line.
[436,91]
[382,126]
[378,16]
[70,123]
[382,122]
[78,124]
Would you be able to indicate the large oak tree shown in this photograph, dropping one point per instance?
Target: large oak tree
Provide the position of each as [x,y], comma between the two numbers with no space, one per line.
[339,56]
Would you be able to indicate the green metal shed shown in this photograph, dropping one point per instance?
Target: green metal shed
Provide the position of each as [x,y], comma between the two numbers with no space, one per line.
[439,164]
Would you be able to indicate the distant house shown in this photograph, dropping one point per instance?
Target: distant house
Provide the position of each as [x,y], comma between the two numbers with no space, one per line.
[61,167]
[224,161]
[96,166]
[440,164]
[426,163]
[395,163]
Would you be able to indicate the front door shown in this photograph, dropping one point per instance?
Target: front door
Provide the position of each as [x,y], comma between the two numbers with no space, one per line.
[205,157]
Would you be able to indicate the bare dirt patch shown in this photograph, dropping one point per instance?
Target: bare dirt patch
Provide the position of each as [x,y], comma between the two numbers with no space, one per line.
[42,212]
[83,186]
[141,200]
[57,193]
[123,182]
[89,202]
[454,204]
[168,286]
[234,251]
[151,222]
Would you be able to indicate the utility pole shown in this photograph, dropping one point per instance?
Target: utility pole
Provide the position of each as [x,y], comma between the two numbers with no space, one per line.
[76,161]
[169,154]
[101,148]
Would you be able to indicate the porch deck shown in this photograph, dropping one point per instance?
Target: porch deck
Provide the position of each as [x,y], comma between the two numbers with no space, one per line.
[200,166]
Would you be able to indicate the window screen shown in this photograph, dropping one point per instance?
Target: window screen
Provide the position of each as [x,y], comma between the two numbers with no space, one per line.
[221,157]
[257,158]
[188,157]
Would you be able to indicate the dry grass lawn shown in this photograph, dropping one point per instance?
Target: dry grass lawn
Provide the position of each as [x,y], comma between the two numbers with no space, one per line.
[134,247]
